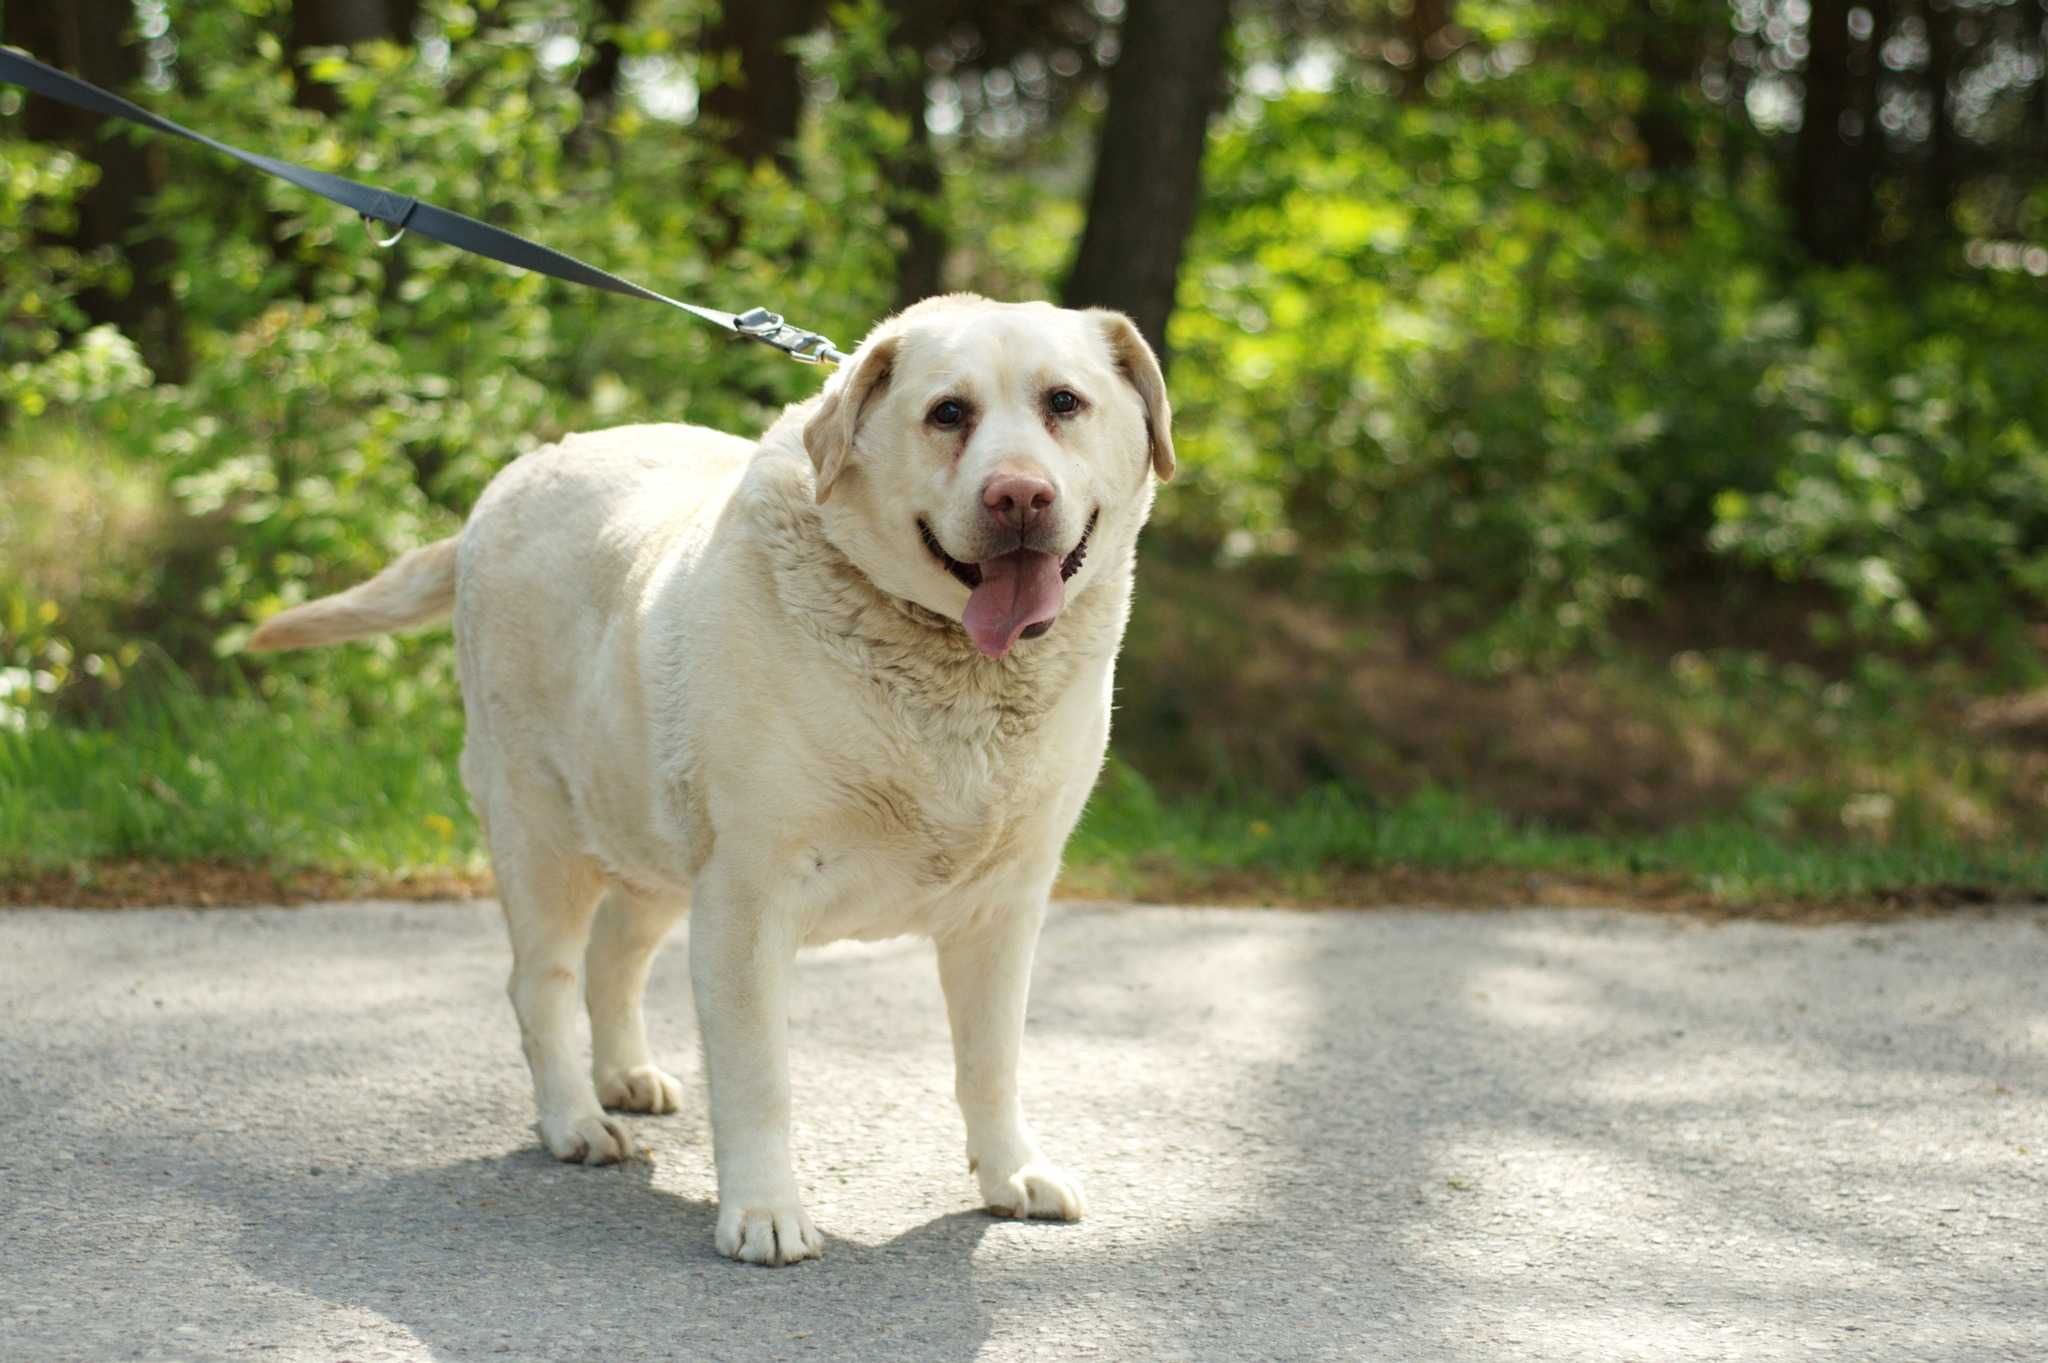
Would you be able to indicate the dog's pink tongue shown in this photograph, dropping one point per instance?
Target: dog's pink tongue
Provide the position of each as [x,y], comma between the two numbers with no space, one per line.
[1017,591]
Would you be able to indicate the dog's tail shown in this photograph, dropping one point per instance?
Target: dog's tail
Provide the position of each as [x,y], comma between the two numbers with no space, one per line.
[417,590]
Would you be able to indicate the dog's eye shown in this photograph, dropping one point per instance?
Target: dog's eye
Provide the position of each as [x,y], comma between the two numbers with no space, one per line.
[946,414]
[1063,402]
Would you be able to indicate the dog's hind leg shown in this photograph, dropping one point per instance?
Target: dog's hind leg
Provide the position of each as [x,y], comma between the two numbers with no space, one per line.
[549,897]
[630,928]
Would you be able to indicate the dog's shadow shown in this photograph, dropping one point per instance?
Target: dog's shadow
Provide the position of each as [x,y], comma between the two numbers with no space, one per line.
[516,1255]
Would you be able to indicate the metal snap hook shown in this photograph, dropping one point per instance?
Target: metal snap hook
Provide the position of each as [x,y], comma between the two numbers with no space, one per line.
[806,347]
[391,240]
[400,222]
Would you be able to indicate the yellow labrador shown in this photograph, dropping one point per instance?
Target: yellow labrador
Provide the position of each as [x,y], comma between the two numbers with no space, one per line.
[851,681]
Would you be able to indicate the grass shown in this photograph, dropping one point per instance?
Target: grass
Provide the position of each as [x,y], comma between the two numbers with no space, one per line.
[290,783]
[1336,846]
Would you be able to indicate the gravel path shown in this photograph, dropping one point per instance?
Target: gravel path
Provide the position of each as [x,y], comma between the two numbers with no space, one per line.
[306,1135]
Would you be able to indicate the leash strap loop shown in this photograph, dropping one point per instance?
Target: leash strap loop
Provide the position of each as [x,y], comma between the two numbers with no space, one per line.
[404,213]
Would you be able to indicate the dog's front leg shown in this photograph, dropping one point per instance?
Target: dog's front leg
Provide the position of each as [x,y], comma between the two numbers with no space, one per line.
[986,973]
[742,956]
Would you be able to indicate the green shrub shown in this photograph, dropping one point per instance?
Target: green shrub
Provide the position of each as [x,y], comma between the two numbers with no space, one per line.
[1451,356]
[1446,354]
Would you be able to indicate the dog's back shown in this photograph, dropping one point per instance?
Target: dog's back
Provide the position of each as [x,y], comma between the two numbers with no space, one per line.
[545,520]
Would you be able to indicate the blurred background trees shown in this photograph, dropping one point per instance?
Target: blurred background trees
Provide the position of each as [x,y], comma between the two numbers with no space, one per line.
[1546,358]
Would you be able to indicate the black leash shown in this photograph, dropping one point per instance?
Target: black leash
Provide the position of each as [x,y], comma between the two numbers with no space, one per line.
[406,214]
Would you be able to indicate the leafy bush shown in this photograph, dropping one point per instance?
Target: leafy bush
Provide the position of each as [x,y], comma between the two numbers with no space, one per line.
[1451,353]
[1915,479]
[346,403]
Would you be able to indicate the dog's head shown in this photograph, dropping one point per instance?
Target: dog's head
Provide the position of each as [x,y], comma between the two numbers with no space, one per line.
[981,458]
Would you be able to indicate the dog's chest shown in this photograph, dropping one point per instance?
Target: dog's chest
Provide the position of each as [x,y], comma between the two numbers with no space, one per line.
[913,840]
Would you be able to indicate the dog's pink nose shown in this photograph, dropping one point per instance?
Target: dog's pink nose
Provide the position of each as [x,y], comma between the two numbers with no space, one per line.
[1017,500]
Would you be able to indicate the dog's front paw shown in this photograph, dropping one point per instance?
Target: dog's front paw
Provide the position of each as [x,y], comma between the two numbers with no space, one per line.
[767,1231]
[640,1089]
[1034,1189]
[592,1139]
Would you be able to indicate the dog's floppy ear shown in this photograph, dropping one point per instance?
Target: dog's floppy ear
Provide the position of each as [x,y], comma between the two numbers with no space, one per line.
[1138,364]
[828,435]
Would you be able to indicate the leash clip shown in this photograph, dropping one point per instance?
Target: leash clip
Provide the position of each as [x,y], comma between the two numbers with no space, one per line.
[807,347]
[403,217]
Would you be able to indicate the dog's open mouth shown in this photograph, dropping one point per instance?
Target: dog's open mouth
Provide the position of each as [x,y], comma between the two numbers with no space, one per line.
[1012,596]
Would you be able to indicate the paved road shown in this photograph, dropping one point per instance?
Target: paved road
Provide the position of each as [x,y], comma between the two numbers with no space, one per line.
[305,1135]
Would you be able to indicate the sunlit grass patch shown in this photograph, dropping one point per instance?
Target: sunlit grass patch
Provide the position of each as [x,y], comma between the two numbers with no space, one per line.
[178,776]
[1332,841]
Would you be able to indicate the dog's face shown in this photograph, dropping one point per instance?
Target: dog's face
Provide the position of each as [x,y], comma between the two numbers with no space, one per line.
[981,459]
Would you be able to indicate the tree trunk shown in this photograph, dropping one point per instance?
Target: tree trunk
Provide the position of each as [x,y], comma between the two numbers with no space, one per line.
[597,84]
[340,23]
[1816,156]
[1942,146]
[1669,50]
[1866,165]
[758,100]
[1148,162]
[94,39]
[1424,29]
[2038,110]
[1835,160]
[913,176]
[1661,122]
[915,188]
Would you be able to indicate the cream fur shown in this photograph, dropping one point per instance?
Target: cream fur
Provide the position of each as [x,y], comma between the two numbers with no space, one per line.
[694,678]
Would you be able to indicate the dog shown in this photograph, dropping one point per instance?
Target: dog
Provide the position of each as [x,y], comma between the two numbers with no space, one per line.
[849,681]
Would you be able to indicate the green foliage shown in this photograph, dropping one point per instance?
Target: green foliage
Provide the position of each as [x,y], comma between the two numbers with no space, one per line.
[1449,350]
[1470,362]
[1914,481]
[346,403]
[1459,352]
[39,289]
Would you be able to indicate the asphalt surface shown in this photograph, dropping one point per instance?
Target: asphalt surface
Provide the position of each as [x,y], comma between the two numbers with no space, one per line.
[306,1135]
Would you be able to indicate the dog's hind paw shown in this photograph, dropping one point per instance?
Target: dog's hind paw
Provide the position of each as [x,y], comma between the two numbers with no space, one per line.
[595,1139]
[640,1089]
